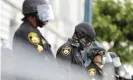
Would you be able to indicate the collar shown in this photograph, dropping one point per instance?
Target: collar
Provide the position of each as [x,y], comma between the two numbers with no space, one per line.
[29,24]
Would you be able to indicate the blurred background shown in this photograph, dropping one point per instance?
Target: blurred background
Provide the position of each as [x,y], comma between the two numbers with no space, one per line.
[112,20]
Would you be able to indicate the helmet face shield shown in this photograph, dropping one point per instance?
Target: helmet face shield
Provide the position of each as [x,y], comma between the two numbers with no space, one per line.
[45,12]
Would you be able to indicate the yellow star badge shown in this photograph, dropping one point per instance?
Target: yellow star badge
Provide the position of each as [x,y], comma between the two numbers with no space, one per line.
[66,50]
[92,71]
[34,38]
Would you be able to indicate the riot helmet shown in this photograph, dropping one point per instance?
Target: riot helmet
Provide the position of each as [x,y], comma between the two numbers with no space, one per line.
[85,34]
[43,10]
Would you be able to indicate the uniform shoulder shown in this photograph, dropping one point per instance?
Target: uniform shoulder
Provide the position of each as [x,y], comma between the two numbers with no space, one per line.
[65,45]
[25,29]
[92,65]
[26,32]
[22,28]
[65,49]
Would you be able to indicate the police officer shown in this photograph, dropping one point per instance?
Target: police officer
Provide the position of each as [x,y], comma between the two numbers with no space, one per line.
[118,68]
[94,69]
[116,63]
[70,51]
[27,38]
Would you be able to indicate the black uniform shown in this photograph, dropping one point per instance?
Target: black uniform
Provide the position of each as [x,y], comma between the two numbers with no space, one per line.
[28,39]
[71,52]
[31,51]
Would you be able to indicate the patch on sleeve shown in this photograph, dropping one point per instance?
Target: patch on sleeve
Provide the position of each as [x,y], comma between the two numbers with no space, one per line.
[66,50]
[92,71]
[34,38]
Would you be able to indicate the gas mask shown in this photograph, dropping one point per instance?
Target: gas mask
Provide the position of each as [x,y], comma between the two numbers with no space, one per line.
[84,42]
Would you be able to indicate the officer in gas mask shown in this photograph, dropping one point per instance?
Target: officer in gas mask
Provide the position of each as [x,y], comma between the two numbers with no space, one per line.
[97,57]
[27,38]
[70,51]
